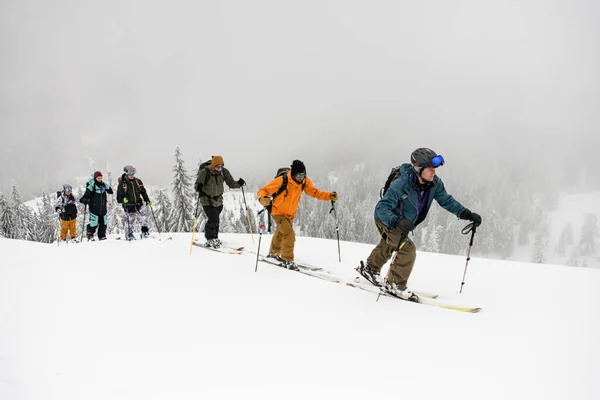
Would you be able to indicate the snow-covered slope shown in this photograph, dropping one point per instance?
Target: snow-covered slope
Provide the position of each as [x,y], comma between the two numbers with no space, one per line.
[145,320]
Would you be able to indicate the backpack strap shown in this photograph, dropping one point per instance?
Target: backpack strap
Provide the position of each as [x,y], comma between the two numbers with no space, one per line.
[282,187]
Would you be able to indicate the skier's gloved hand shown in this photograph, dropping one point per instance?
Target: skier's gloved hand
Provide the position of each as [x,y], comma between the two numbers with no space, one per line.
[241,182]
[471,216]
[149,203]
[125,200]
[405,225]
[84,200]
[265,201]
[333,196]
[198,188]
[57,209]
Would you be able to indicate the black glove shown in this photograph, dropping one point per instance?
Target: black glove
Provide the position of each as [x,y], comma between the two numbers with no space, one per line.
[84,200]
[57,209]
[241,182]
[405,225]
[471,216]
[199,188]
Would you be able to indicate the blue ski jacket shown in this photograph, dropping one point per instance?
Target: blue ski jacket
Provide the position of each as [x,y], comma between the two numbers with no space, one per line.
[402,199]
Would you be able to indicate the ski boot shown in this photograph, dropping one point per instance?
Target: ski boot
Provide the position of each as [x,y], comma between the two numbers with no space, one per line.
[366,272]
[276,257]
[405,294]
[289,265]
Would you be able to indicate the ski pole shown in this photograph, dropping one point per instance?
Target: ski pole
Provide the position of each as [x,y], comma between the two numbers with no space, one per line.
[261,227]
[83,222]
[195,221]
[155,222]
[247,215]
[469,228]
[337,227]
[128,228]
[58,232]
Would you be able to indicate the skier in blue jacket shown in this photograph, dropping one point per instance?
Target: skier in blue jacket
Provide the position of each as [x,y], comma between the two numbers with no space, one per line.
[404,206]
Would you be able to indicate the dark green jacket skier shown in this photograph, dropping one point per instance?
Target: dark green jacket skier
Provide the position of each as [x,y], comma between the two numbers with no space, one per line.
[210,180]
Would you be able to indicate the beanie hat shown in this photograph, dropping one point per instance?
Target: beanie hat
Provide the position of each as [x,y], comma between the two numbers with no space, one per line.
[298,167]
[216,160]
[97,174]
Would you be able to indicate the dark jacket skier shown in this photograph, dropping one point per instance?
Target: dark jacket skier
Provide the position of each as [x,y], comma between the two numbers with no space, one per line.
[209,185]
[66,206]
[132,194]
[404,206]
[95,198]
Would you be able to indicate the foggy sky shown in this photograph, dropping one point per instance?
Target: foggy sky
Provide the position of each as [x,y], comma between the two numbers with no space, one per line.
[264,82]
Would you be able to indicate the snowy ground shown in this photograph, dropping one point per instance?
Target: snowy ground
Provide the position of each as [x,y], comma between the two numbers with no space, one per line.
[145,320]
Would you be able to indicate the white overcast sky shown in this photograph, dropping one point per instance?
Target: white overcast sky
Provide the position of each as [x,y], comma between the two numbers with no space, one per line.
[263,82]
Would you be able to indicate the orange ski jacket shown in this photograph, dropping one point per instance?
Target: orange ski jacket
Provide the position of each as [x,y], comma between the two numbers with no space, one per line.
[286,203]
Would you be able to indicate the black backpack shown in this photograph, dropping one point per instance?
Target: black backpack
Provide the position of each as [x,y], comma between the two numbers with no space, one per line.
[395,174]
[283,173]
[205,164]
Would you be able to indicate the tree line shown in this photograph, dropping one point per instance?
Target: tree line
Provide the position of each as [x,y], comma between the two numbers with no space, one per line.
[510,223]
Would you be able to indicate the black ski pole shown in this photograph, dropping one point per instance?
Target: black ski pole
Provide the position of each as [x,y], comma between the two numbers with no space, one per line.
[469,228]
[247,215]
[261,227]
[337,228]
[83,222]
[128,228]
[155,222]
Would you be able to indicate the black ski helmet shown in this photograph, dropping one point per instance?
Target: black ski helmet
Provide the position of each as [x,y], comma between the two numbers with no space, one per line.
[422,158]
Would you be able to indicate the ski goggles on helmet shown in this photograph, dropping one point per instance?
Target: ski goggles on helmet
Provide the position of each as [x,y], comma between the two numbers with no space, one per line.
[300,175]
[68,188]
[435,162]
[131,171]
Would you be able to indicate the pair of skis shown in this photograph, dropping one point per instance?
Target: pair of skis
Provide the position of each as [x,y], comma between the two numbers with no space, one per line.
[373,287]
[422,297]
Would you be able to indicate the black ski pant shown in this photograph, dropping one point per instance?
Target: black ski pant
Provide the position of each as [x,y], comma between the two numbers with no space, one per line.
[211,230]
[97,222]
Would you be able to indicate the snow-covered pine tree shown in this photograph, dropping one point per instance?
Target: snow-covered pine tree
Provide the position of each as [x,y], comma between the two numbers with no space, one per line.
[589,232]
[523,235]
[182,214]
[540,246]
[163,210]
[435,231]
[22,216]
[505,243]
[454,240]
[6,221]
[561,246]
[569,234]
[46,221]
[573,260]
